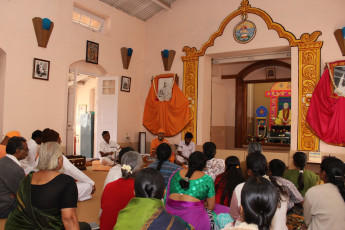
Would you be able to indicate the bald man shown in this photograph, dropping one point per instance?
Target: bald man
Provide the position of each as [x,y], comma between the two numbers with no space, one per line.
[5,141]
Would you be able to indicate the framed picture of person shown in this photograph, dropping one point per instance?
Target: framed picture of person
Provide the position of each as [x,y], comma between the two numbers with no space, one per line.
[125,84]
[41,69]
[164,90]
[270,73]
[92,52]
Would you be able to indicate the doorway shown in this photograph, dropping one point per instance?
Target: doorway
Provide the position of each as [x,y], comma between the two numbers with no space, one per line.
[92,109]
[82,108]
[228,108]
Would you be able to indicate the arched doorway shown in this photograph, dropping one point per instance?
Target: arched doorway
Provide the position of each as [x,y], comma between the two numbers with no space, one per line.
[308,58]
[92,101]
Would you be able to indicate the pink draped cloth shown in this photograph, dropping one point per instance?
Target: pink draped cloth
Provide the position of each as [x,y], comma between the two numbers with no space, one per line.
[326,114]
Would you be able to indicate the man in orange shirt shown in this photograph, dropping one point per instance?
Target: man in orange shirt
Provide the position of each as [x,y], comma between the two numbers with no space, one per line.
[5,141]
[157,141]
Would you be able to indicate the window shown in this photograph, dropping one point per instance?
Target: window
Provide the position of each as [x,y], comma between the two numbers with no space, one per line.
[88,20]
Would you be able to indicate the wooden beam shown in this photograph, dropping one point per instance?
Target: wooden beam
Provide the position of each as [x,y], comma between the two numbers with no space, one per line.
[162,4]
[229,76]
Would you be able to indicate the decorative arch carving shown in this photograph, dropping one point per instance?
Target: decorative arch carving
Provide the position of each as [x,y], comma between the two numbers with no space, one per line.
[309,51]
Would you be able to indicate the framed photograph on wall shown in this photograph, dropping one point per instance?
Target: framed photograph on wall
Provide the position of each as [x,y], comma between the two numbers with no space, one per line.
[41,69]
[92,49]
[125,84]
[270,73]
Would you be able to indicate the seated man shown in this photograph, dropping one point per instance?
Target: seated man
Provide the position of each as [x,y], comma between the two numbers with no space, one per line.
[185,148]
[157,141]
[5,140]
[107,149]
[11,174]
[115,172]
[30,163]
[85,185]
[284,116]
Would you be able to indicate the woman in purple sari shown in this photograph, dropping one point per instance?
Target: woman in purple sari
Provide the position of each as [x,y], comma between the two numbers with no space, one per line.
[191,195]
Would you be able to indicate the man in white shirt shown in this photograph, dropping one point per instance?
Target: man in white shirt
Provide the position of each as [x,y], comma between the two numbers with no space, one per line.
[185,148]
[107,149]
[29,163]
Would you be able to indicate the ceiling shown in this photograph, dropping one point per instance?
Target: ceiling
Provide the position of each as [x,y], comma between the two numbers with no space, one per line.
[141,9]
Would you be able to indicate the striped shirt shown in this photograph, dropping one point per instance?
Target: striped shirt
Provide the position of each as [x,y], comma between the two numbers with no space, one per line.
[166,170]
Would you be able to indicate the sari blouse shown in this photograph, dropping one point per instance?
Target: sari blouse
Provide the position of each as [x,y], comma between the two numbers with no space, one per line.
[201,188]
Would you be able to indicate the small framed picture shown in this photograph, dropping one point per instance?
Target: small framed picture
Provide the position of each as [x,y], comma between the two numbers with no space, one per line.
[41,69]
[92,52]
[270,73]
[125,84]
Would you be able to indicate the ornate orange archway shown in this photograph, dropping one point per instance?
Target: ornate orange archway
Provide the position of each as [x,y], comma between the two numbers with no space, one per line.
[308,70]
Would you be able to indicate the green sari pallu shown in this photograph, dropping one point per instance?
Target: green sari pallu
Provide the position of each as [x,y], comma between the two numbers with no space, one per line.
[26,216]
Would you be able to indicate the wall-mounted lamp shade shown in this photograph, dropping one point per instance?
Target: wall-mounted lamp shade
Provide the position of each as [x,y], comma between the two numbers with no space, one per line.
[129,52]
[46,23]
[339,35]
[126,54]
[43,29]
[168,58]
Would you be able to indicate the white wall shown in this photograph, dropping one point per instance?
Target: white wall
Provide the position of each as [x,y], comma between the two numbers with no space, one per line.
[35,104]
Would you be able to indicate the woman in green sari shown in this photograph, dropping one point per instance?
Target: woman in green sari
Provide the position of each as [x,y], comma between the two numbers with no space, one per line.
[146,210]
[47,199]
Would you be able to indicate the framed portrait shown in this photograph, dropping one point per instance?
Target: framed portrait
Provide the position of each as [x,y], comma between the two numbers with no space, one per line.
[125,84]
[165,85]
[82,109]
[41,69]
[270,73]
[92,49]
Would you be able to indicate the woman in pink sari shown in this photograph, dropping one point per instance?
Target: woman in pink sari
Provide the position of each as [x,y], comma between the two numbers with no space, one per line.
[191,195]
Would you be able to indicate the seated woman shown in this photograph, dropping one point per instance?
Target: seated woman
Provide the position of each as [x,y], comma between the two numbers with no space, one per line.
[303,179]
[146,210]
[214,166]
[276,170]
[117,194]
[324,205]
[191,194]
[162,164]
[47,199]
[257,166]
[226,182]
[259,203]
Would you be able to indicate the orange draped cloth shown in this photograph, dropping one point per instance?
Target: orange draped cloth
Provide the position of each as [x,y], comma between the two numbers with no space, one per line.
[326,114]
[172,115]
[2,151]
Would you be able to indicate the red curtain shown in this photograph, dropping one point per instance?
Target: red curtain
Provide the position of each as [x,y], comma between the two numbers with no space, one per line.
[326,114]
[172,115]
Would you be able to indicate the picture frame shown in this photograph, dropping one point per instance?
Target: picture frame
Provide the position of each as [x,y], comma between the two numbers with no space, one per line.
[165,85]
[125,84]
[92,50]
[41,69]
[270,73]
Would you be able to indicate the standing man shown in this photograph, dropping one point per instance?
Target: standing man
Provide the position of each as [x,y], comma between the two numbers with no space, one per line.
[29,162]
[11,174]
[185,148]
[5,140]
[107,149]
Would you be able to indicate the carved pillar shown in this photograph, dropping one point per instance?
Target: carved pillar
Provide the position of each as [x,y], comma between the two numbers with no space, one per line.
[190,87]
[308,76]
